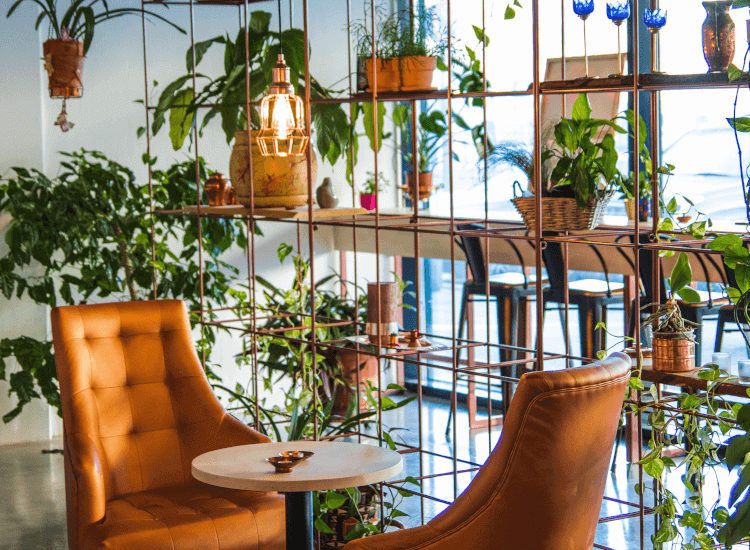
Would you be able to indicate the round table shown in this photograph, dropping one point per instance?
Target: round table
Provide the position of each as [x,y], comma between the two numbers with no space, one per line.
[334,465]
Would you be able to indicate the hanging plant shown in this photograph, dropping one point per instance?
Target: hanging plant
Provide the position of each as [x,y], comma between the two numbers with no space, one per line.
[70,36]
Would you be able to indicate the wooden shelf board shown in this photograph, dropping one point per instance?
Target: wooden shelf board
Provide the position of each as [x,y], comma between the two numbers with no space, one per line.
[300,213]
[691,380]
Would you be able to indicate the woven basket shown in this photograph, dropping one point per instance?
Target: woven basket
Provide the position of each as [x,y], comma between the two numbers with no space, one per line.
[563,214]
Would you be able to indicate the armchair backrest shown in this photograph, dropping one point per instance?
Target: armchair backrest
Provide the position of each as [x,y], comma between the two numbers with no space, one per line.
[543,484]
[134,395]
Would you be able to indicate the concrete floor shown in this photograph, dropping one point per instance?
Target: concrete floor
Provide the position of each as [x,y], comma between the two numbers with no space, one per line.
[32,497]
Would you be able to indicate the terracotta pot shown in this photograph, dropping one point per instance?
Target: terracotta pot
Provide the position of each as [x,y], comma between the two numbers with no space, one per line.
[388,79]
[672,354]
[63,61]
[217,189]
[368,201]
[277,181]
[351,361]
[718,35]
[424,182]
[415,73]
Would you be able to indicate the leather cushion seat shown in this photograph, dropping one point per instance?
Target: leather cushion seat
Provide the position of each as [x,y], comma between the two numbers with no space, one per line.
[182,518]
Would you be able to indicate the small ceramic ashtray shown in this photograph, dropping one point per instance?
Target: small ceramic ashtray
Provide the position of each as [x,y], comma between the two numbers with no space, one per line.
[296,455]
[282,464]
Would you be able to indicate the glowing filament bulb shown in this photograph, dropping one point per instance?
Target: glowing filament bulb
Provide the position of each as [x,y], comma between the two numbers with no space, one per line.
[282,118]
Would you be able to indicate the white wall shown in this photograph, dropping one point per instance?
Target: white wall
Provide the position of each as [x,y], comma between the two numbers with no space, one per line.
[106,119]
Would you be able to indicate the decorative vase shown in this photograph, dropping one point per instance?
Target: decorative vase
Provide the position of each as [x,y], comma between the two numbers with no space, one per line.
[672,354]
[63,61]
[367,201]
[387,75]
[217,189]
[325,196]
[644,209]
[415,73]
[718,35]
[387,304]
[423,188]
[630,209]
[277,181]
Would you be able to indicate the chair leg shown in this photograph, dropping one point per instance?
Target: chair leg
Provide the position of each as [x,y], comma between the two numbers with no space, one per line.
[463,318]
[591,313]
[696,316]
[719,332]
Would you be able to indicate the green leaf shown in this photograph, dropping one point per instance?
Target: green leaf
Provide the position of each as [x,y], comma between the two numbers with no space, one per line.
[672,206]
[722,242]
[510,13]
[180,120]
[738,447]
[581,108]
[741,124]
[689,295]
[283,251]
[357,532]
[335,500]
[321,527]
[682,275]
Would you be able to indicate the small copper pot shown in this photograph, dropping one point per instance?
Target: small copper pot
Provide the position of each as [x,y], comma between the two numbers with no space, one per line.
[217,189]
[672,354]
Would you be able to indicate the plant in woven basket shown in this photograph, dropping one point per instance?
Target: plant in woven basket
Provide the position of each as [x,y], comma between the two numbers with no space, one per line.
[585,162]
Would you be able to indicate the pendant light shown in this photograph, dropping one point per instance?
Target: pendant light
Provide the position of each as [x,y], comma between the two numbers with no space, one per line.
[281,114]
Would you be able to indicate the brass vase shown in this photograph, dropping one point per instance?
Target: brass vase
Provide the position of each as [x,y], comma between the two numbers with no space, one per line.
[217,189]
[718,35]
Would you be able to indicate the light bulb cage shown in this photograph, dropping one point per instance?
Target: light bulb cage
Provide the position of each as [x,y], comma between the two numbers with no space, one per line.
[291,139]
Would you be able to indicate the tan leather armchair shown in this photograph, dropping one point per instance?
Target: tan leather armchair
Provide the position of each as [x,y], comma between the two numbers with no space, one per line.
[542,486]
[137,409]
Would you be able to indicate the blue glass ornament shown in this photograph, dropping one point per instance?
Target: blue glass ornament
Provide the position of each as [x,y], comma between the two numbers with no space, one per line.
[655,20]
[583,8]
[618,11]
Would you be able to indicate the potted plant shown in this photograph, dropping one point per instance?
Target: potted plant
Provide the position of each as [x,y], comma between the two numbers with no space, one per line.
[407,48]
[431,133]
[71,34]
[419,47]
[277,181]
[672,336]
[584,173]
[368,198]
[387,35]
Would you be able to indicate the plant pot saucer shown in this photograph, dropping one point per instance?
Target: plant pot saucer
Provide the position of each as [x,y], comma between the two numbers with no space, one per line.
[401,344]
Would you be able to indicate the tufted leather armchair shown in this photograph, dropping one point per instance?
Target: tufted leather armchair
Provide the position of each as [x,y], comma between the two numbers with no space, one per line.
[542,486]
[137,409]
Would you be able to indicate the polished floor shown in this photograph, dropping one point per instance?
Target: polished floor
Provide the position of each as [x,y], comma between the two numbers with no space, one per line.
[32,496]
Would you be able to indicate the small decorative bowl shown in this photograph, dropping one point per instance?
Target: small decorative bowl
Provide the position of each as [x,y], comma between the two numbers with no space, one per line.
[684,219]
[296,455]
[282,464]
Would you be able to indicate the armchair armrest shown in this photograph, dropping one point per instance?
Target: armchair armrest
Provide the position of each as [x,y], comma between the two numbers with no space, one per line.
[86,466]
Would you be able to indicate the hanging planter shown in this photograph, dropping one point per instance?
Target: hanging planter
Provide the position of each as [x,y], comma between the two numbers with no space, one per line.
[63,61]
[64,54]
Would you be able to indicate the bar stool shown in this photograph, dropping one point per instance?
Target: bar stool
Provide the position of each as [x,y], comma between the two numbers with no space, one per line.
[591,296]
[508,289]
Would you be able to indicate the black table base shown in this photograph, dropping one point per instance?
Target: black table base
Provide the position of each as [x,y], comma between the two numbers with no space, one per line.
[299,521]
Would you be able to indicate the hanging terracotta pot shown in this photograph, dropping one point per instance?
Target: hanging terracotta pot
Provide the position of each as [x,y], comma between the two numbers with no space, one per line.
[63,61]
[425,188]
[718,35]
[415,73]
[277,181]
[217,189]
[388,79]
